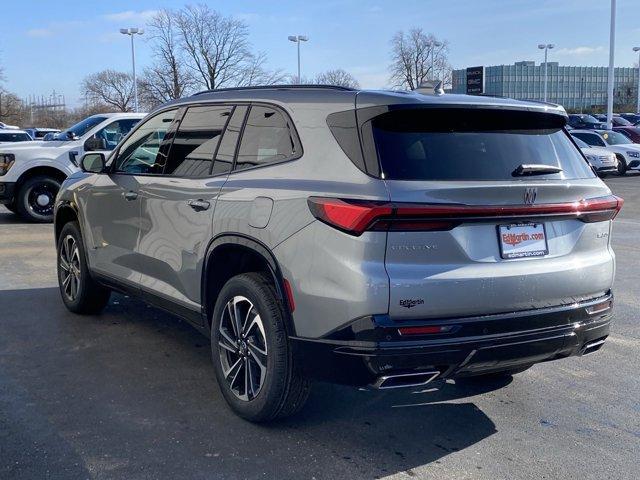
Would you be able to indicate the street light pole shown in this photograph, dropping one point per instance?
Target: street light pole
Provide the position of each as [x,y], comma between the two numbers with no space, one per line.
[434,45]
[612,46]
[131,32]
[546,47]
[297,39]
[637,49]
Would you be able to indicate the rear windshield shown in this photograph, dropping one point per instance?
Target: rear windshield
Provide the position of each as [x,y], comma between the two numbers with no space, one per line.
[461,144]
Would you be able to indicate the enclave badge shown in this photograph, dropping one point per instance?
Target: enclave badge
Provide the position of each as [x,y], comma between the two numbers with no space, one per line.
[530,195]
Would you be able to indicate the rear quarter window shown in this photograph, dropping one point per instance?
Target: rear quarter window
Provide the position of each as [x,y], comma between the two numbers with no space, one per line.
[473,144]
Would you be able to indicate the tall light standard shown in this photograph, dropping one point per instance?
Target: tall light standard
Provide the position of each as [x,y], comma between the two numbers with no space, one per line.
[546,47]
[435,44]
[637,49]
[297,39]
[612,48]
[132,32]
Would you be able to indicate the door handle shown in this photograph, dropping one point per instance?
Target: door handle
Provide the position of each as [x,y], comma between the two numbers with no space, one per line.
[130,195]
[199,205]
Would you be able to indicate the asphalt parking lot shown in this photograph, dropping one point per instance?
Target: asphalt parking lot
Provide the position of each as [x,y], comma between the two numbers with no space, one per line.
[130,394]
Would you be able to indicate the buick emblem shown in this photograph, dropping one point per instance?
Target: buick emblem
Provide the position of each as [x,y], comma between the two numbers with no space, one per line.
[530,195]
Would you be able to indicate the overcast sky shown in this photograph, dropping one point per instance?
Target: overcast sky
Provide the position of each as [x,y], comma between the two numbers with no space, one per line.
[46,46]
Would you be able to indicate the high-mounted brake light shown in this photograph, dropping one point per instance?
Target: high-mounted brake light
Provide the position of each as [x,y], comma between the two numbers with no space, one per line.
[357,216]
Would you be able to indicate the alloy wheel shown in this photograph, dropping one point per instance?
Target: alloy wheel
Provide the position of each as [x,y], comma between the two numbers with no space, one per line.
[243,348]
[69,260]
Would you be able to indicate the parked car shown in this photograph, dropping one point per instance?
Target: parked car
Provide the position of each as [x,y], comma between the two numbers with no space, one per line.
[632,133]
[631,117]
[40,133]
[627,152]
[616,120]
[601,160]
[11,136]
[31,172]
[371,238]
[584,121]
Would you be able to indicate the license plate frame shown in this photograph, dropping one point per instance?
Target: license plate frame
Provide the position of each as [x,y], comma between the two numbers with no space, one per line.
[533,247]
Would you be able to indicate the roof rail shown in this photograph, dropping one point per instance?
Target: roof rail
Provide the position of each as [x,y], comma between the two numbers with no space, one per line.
[278,87]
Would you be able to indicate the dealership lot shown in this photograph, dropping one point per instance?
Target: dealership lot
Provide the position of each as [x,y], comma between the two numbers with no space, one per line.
[131,394]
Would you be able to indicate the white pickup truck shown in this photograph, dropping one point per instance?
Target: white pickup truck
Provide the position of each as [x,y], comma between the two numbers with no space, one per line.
[31,172]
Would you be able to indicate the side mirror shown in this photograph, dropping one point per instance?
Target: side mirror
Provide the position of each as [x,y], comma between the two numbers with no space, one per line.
[93,162]
[95,143]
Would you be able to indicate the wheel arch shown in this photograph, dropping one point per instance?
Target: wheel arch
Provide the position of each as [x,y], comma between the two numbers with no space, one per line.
[40,170]
[231,254]
[65,212]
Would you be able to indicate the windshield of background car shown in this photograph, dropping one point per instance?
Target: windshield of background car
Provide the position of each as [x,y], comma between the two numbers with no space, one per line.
[614,138]
[79,129]
[473,144]
[14,137]
[589,119]
[621,122]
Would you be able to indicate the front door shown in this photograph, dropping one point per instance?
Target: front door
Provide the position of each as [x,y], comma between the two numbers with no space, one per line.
[113,203]
[113,215]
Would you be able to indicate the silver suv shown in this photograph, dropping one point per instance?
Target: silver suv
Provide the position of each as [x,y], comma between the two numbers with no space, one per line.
[374,238]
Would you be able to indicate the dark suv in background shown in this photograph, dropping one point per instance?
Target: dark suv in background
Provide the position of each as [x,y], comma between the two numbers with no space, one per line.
[374,238]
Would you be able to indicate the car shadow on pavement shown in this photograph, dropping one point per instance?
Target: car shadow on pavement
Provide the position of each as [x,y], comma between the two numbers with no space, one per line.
[9,218]
[132,391]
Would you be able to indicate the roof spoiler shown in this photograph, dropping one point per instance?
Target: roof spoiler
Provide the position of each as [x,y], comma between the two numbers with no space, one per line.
[430,87]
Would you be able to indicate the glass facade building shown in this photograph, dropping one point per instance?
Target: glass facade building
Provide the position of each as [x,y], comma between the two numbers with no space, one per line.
[575,88]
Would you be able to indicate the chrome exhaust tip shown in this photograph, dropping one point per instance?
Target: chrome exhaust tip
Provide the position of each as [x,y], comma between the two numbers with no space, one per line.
[592,346]
[405,380]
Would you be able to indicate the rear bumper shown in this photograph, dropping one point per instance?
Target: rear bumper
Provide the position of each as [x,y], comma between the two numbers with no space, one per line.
[7,190]
[372,347]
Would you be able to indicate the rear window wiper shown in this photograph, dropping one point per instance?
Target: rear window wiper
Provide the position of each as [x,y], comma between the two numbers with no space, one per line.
[534,169]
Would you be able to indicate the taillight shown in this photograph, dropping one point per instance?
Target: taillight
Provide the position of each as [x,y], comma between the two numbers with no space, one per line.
[351,216]
[357,216]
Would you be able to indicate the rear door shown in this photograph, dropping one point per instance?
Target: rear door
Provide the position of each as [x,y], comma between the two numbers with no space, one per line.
[488,203]
[178,206]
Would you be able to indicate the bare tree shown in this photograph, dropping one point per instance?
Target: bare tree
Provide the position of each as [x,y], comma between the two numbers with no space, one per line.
[254,73]
[12,110]
[338,77]
[168,78]
[218,51]
[412,59]
[111,88]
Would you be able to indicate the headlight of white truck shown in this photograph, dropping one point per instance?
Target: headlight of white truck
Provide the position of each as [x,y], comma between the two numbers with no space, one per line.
[6,161]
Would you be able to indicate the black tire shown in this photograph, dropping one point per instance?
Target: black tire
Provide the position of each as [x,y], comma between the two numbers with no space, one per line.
[88,297]
[622,166]
[31,197]
[281,390]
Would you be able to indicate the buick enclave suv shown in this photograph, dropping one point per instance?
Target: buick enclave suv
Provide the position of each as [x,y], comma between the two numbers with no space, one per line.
[373,238]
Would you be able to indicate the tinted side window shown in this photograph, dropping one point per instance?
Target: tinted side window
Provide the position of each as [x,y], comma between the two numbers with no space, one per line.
[196,140]
[141,153]
[266,138]
[227,149]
